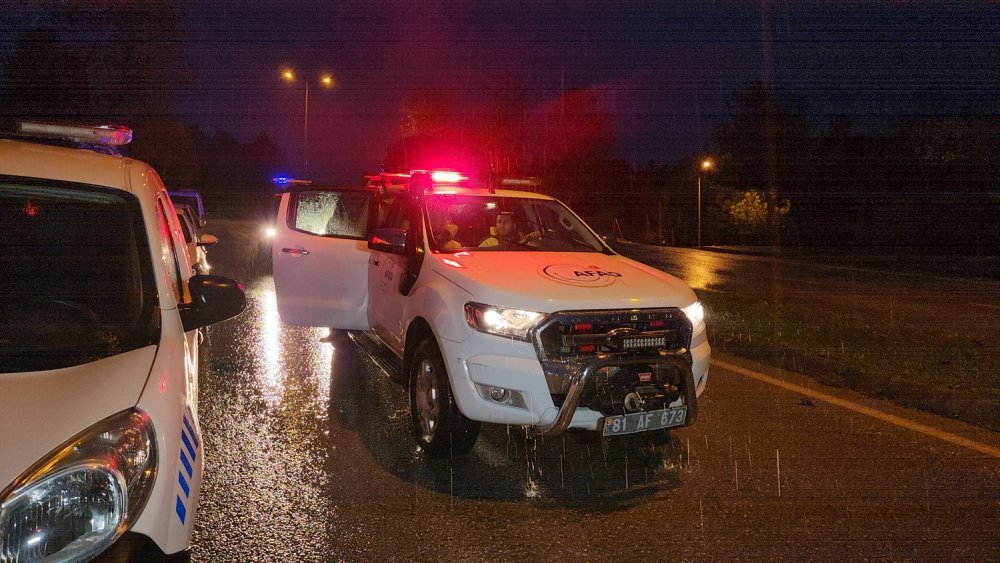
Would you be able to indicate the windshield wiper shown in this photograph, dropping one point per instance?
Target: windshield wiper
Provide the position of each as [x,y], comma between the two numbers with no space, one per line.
[579,242]
[519,243]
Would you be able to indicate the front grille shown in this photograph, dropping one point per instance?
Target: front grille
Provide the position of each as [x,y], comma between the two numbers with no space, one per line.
[576,335]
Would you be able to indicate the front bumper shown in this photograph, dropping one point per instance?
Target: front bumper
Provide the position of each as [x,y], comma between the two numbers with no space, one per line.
[578,378]
[515,366]
[136,548]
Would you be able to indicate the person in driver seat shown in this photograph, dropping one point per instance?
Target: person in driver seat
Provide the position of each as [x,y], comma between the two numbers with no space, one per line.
[507,232]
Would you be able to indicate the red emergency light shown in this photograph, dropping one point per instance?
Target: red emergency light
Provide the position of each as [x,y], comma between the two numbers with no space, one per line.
[447,177]
[418,180]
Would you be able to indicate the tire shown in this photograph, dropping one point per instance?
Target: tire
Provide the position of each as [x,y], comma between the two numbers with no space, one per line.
[439,427]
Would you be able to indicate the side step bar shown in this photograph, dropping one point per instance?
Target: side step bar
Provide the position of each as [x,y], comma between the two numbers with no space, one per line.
[380,354]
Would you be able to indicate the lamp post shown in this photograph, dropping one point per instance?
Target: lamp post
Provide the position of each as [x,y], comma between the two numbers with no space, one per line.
[326,81]
[705,166]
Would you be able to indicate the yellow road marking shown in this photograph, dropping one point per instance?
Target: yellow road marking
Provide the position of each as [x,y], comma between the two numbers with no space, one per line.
[867,411]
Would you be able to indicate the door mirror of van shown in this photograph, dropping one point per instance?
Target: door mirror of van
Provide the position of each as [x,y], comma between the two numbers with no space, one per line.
[213,299]
[392,241]
[207,240]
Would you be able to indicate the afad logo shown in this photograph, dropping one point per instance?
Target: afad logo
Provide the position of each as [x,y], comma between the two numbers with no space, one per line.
[579,275]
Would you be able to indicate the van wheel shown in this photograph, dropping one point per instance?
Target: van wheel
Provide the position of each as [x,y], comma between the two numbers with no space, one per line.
[440,428]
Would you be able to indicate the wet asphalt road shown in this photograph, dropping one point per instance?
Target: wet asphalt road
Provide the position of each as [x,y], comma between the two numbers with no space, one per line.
[309,458]
[879,290]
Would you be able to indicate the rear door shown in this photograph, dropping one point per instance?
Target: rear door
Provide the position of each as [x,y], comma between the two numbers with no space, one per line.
[320,257]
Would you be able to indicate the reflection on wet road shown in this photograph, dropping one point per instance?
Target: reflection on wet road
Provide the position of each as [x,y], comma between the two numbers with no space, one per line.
[272,334]
[263,425]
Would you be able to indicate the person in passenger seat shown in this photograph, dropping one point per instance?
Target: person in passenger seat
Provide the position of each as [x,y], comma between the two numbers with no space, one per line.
[444,231]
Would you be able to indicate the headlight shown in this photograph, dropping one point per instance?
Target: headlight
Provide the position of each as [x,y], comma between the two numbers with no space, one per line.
[78,500]
[501,321]
[696,314]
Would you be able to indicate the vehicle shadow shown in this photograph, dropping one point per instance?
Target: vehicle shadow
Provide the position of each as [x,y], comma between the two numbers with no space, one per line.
[578,470]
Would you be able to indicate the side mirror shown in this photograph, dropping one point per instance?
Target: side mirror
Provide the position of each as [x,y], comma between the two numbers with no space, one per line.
[392,241]
[207,240]
[213,299]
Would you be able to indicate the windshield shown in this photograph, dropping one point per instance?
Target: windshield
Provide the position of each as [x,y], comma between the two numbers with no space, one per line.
[77,282]
[499,223]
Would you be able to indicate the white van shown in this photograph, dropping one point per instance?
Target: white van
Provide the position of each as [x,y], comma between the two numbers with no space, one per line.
[99,318]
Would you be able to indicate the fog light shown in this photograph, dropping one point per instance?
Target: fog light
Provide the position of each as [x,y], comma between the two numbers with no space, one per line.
[499,396]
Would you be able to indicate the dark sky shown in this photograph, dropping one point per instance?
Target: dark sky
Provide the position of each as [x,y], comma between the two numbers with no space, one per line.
[667,71]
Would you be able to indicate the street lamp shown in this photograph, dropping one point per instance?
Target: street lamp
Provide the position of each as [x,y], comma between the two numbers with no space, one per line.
[705,165]
[326,81]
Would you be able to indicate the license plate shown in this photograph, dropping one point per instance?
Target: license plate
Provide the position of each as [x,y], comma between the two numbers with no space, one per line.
[643,421]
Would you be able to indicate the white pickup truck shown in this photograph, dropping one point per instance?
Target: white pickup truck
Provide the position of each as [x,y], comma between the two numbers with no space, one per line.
[493,306]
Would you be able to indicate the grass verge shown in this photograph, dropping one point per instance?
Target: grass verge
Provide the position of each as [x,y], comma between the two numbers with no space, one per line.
[938,368]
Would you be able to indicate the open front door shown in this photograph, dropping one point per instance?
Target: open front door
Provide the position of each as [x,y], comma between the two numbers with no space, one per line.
[320,257]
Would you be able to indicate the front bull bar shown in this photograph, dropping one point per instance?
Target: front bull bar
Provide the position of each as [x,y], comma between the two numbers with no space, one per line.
[578,382]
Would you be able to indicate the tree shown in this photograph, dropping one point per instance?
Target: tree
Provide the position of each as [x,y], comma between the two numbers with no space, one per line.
[425,112]
[768,145]
[501,135]
[573,152]
[748,211]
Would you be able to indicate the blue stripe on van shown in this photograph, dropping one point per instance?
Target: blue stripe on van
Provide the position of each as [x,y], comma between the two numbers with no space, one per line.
[184,484]
[187,465]
[190,448]
[194,435]
[181,510]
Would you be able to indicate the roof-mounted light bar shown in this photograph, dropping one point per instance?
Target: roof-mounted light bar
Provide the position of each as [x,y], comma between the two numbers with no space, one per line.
[109,135]
[287,181]
[431,180]
[527,182]
[418,181]
[447,177]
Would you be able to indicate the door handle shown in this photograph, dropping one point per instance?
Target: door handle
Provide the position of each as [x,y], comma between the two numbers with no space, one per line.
[374,261]
[295,251]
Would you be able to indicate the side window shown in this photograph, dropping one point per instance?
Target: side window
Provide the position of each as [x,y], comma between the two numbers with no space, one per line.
[167,251]
[332,214]
[399,215]
[185,229]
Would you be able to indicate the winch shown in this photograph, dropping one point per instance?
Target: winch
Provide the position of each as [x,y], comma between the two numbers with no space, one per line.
[622,390]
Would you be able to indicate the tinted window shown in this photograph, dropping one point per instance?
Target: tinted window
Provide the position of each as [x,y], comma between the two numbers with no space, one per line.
[76,282]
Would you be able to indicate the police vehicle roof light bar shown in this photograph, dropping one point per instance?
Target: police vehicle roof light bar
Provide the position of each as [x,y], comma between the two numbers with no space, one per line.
[108,135]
